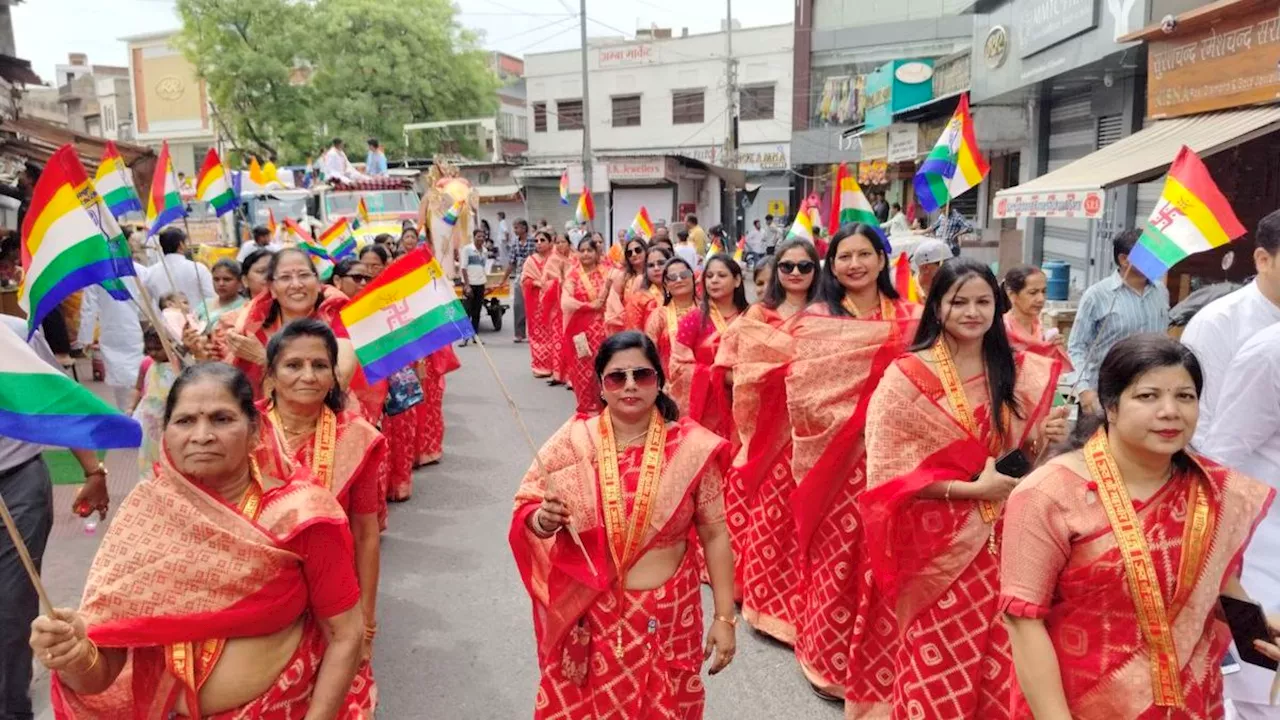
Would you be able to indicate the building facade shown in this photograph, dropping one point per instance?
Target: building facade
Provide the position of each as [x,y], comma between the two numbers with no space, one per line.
[513,113]
[97,99]
[170,101]
[660,126]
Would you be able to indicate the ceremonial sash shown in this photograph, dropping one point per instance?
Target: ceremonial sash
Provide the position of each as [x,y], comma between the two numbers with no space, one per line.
[673,322]
[324,449]
[1140,571]
[886,308]
[588,287]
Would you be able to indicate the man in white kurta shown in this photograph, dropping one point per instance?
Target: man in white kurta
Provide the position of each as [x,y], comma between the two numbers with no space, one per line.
[1245,435]
[176,273]
[119,338]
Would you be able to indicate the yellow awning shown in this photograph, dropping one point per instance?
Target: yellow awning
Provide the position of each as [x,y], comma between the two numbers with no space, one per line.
[1078,189]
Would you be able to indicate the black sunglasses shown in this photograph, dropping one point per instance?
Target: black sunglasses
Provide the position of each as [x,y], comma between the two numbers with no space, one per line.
[804,266]
[358,277]
[635,251]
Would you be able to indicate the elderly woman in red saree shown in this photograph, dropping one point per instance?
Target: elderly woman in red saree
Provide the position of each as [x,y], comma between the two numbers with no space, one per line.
[582,299]
[624,281]
[1024,286]
[841,346]
[679,299]
[1116,551]
[754,352]
[265,623]
[532,280]
[552,314]
[938,420]
[617,608]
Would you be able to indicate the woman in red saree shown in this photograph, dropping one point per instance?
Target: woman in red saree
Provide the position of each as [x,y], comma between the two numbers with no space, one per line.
[552,314]
[1108,624]
[640,305]
[1025,286]
[841,346]
[616,605]
[172,624]
[664,321]
[754,352]
[582,299]
[432,371]
[625,281]
[532,279]
[693,355]
[938,420]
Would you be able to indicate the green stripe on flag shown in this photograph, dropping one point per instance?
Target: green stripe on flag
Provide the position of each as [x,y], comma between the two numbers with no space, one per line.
[1162,246]
[405,334]
[86,252]
[47,394]
[850,215]
[938,188]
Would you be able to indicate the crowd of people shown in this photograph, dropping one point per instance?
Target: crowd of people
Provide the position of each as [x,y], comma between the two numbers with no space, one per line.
[896,491]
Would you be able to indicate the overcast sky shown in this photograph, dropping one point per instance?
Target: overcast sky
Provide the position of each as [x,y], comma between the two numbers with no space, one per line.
[47,30]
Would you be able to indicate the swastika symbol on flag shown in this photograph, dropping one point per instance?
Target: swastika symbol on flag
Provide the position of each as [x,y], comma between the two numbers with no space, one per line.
[1165,216]
[398,315]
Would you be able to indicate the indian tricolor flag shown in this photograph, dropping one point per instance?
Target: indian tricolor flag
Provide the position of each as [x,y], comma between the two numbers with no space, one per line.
[164,204]
[849,203]
[212,186]
[39,404]
[114,183]
[362,213]
[409,312]
[1192,216]
[954,165]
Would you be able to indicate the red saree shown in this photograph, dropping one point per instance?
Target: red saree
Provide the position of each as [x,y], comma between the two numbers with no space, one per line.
[756,347]
[251,321]
[225,572]
[532,280]
[835,364]
[576,615]
[552,314]
[581,289]
[661,327]
[431,373]
[1034,342]
[620,286]
[1062,563]
[937,560]
[640,305]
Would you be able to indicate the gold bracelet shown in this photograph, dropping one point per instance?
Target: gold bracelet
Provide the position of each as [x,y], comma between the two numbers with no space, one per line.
[730,621]
[370,631]
[93,648]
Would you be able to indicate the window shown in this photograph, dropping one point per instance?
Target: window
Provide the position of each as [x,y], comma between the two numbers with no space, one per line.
[626,111]
[540,117]
[688,106]
[569,114]
[756,103]
[109,118]
[522,127]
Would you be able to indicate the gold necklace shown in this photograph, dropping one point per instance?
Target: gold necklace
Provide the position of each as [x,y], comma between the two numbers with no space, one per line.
[628,441]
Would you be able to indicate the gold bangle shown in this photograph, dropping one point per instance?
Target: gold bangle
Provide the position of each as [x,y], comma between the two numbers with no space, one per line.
[947,495]
[730,621]
[93,648]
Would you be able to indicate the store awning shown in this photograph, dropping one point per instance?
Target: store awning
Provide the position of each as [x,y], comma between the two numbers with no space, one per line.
[498,193]
[1078,189]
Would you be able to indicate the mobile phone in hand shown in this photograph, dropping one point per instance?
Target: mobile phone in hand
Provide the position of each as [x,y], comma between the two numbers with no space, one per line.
[1247,623]
[1014,464]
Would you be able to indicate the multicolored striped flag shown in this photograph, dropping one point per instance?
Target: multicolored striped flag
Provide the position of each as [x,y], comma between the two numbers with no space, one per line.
[70,240]
[803,225]
[642,226]
[586,211]
[451,215]
[407,313]
[41,405]
[337,241]
[212,186]
[849,205]
[114,182]
[271,222]
[362,213]
[954,165]
[164,204]
[564,187]
[740,250]
[715,248]
[299,236]
[903,281]
[1191,216]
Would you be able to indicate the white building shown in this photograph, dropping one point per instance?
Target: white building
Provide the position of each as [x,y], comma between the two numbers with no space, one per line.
[97,99]
[659,125]
[170,101]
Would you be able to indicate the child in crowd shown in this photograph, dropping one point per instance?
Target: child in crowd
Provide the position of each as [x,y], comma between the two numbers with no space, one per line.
[155,378]
[177,314]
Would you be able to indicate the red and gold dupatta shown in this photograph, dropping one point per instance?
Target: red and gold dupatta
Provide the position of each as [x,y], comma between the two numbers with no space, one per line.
[1035,342]
[693,359]
[343,449]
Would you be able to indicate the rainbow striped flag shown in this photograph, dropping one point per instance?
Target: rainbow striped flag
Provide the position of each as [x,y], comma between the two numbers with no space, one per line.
[212,186]
[850,206]
[406,314]
[642,226]
[1191,216]
[954,165]
[114,183]
[740,250]
[564,187]
[803,226]
[586,211]
[362,213]
[41,405]
[451,215]
[70,240]
[337,241]
[165,202]
[715,248]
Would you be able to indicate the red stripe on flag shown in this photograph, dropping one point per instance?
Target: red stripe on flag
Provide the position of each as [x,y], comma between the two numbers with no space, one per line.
[971,140]
[1190,170]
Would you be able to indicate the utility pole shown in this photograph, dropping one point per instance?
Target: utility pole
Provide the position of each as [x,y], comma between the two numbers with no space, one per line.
[586,103]
[731,118]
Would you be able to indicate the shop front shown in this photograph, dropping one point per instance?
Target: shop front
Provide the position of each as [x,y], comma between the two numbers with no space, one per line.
[650,183]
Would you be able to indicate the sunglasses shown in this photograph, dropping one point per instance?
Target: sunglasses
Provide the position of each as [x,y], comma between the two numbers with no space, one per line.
[357,277]
[635,251]
[616,380]
[679,275]
[804,266]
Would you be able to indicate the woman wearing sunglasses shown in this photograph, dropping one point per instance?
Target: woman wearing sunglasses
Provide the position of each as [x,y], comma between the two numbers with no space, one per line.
[532,279]
[641,304]
[625,282]
[663,323]
[350,276]
[632,481]
[841,346]
[582,300]
[754,354]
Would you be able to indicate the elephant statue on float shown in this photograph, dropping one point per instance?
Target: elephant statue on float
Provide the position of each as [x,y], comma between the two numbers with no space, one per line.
[446,189]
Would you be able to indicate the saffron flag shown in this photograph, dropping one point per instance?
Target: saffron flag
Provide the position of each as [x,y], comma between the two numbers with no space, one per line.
[903,281]
[407,313]
[41,405]
[564,187]
[165,202]
[1191,216]
[212,186]
[114,183]
[803,225]
[586,207]
[271,222]
[362,213]
[954,165]
[256,174]
[337,241]
[642,226]
[70,240]
[715,248]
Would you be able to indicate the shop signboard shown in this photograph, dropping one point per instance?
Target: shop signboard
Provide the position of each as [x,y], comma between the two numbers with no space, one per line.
[627,55]
[904,142]
[894,86]
[1041,24]
[654,169]
[951,76]
[1082,204]
[1230,63]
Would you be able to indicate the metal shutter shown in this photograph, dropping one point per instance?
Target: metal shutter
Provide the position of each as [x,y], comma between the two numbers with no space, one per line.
[1072,135]
[1110,129]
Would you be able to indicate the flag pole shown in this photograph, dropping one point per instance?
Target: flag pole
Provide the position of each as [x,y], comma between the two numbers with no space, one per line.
[537,457]
[204,304]
[46,607]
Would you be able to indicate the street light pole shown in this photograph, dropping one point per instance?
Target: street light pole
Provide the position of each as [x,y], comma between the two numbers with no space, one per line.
[731,119]
[586,103]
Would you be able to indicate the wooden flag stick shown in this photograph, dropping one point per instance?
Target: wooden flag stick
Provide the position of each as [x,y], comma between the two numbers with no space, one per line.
[537,458]
[45,606]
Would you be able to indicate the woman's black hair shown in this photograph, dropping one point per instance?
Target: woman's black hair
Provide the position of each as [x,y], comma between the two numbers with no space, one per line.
[830,289]
[629,272]
[343,269]
[739,293]
[230,266]
[274,313]
[774,293]
[588,239]
[1015,278]
[378,250]
[382,239]
[309,327]
[666,254]
[997,355]
[231,378]
[1126,363]
[674,260]
[636,340]
[252,259]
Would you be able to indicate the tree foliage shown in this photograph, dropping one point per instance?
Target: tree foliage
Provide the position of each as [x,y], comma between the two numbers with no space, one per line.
[286,76]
